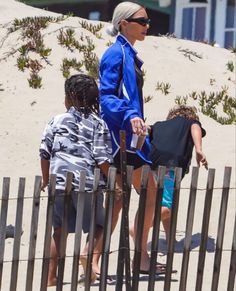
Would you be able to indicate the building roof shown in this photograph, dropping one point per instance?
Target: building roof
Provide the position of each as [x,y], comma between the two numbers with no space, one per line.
[159,5]
[50,2]
[151,4]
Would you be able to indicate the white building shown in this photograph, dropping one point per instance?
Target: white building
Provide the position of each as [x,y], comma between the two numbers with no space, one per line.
[212,21]
[209,20]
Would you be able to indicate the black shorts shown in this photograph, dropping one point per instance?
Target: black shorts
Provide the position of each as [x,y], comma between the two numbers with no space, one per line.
[132,160]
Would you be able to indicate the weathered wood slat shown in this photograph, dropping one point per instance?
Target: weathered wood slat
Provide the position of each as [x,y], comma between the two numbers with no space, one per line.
[3,221]
[156,227]
[173,223]
[189,228]
[123,255]
[221,228]
[140,223]
[110,195]
[17,237]
[92,230]
[33,233]
[78,230]
[64,231]
[232,267]
[204,231]
[127,193]
[48,231]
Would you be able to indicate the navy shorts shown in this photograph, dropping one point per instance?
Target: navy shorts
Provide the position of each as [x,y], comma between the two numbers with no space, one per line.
[59,209]
[132,160]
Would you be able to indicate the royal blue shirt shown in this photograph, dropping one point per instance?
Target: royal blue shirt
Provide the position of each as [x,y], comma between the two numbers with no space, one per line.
[119,93]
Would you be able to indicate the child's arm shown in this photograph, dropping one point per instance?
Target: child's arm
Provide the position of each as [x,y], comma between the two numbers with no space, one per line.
[196,133]
[104,168]
[45,173]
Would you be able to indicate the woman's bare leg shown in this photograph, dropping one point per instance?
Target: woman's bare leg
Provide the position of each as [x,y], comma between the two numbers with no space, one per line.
[149,214]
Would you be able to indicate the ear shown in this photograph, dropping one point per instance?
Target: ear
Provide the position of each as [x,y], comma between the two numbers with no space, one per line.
[68,103]
[123,24]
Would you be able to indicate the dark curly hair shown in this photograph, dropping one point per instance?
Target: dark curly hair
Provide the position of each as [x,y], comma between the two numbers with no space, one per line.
[189,112]
[82,92]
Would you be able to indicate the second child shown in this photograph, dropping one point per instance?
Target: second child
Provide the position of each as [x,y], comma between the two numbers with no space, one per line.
[73,141]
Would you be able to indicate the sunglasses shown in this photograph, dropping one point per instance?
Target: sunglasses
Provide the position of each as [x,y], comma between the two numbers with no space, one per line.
[140,20]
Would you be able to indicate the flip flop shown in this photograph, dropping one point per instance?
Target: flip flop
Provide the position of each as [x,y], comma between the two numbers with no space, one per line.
[109,278]
[158,264]
[83,261]
[161,271]
[82,279]
[146,272]
[163,266]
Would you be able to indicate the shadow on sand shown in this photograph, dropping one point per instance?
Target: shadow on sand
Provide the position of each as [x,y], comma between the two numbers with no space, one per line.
[179,245]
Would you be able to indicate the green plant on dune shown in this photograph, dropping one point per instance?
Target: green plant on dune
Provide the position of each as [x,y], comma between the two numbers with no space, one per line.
[37,22]
[33,43]
[85,46]
[230,66]
[94,29]
[109,43]
[1,89]
[35,81]
[181,100]
[144,72]
[212,81]
[163,87]
[189,54]
[148,98]
[210,102]
[67,38]
[22,63]
[91,61]
[233,50]
[67,64]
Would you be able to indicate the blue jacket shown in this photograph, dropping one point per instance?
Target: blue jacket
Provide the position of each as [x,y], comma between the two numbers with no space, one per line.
[119,96]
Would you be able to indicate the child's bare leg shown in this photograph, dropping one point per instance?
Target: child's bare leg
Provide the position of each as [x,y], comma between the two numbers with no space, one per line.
[98,244]
[165,219]
[54,249]
[83,261]
[99,237]
[96,255]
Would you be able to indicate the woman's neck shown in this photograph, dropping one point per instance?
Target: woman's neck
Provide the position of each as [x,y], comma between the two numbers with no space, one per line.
[132,41]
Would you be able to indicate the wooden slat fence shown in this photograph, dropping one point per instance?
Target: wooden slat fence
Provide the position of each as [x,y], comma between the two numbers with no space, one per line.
[125,278]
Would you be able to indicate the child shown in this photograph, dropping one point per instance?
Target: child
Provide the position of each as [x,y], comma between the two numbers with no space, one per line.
[74,141]
[172,145]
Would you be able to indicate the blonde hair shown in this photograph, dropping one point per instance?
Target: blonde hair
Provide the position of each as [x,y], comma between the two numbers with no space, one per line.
[189,112]
[122,11]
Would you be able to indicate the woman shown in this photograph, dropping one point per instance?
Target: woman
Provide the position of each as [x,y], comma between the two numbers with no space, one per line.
[121,100]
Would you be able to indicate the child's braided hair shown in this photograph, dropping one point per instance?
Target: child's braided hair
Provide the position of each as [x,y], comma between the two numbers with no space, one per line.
[83,93]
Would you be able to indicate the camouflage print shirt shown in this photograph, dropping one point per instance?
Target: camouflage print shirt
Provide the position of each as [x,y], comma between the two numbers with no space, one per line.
[73,143]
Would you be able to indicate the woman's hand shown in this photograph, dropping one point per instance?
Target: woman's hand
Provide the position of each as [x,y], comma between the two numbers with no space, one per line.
[138,125]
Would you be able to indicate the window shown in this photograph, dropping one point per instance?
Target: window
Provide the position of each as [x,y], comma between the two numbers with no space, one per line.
[194,22]
[94,15]
[198,1]
[230,25]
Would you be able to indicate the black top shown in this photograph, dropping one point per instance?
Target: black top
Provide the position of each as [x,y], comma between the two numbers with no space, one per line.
[140,82]
[172,143]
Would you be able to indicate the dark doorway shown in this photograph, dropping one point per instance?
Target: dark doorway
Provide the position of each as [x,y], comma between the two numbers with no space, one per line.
[159,22]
